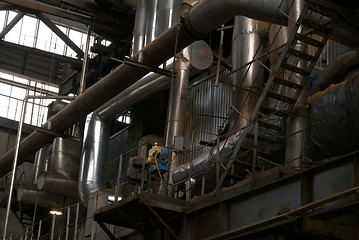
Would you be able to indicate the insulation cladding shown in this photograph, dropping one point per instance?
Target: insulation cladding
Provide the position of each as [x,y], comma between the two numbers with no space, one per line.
[207,110]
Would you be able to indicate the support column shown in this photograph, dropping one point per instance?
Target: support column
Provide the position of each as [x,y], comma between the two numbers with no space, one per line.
[139,31]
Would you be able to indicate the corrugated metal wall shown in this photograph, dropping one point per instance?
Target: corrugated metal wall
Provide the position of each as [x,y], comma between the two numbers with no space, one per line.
[207,110]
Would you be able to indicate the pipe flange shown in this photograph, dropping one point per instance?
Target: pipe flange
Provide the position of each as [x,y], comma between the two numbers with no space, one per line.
[187,27]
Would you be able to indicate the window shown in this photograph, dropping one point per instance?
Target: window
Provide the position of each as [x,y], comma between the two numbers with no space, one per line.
[125,118]
[13,90]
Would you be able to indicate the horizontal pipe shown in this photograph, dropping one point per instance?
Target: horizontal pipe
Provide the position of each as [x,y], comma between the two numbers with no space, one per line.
[30,195]
[200,21]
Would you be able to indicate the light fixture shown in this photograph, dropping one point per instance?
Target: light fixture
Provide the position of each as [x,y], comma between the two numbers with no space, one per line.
[56,212]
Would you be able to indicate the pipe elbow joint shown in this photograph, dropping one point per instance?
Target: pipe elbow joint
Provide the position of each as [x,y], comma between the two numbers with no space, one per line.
[187,28]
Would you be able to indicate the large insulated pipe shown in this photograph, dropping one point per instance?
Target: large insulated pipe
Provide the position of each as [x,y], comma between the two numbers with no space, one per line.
[298,120]
[206,161]
[246,44]
[30,195]
[334,115]
[64,169]
[202,19]
[139,31]
[94,157]
[334,72]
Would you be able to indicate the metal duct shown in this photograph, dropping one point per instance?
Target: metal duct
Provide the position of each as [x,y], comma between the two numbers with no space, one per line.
[297,121]
[336,69]
[246,44]
[335,118]
[139,31]
[205,17]
[30,195]
[151,21]
[58,183]
[206,161]
[137,92]
[94,157]
[64,169]
[167,14]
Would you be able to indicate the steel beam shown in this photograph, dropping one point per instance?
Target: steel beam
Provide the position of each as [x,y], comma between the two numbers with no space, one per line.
[60,34]
[106,230]
[50,9]
[12,24]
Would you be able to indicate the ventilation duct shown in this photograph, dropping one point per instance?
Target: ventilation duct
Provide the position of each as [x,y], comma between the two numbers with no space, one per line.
[206,161]
[94,157]
[30,195]
[64,169]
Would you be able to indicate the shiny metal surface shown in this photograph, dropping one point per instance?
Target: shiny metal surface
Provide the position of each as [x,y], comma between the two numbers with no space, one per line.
[206,161]
[297,121]
[151,21]
[139,31]
[167,14]
[39,156]
[65,157]
[29,193]
[93,175]
[176,115]
[246,44]
[137,92]
[85,61]
[201,55]
[58,183]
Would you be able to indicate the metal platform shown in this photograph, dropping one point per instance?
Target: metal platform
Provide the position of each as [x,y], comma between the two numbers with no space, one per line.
[136,210]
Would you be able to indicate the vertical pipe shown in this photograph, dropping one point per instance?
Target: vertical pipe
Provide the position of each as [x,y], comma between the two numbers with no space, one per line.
[176,115]
[246,44]
[76,220]
[67,223]
[220,52]
[52,227]
[139,31]
[18,138]
[39,230]
[151,21]
[84,63]
[298,120]
[117,192]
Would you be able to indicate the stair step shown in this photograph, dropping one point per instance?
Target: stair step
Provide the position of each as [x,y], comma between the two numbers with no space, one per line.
[287,83]
[302,55]
[295,69]
[309,40]
[269,125]
[262,138]
[282,98]
[317,9]
[260,152]
[235,177]
[272,111]
[316,26]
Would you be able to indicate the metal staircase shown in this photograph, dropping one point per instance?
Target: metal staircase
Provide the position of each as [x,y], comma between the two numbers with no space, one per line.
[267,121]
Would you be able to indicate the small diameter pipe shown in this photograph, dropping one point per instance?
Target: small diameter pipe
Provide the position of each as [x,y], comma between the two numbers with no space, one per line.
[17,146]
[220,52]
[84,63]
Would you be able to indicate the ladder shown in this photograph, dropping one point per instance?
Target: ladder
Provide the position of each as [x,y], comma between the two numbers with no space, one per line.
[312,25]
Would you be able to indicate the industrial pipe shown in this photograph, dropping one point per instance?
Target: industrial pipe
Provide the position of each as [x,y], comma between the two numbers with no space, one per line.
[205,17]
[334,115]
[139,30]
[30,195]
[58,183]
[246,45]
[336,69]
